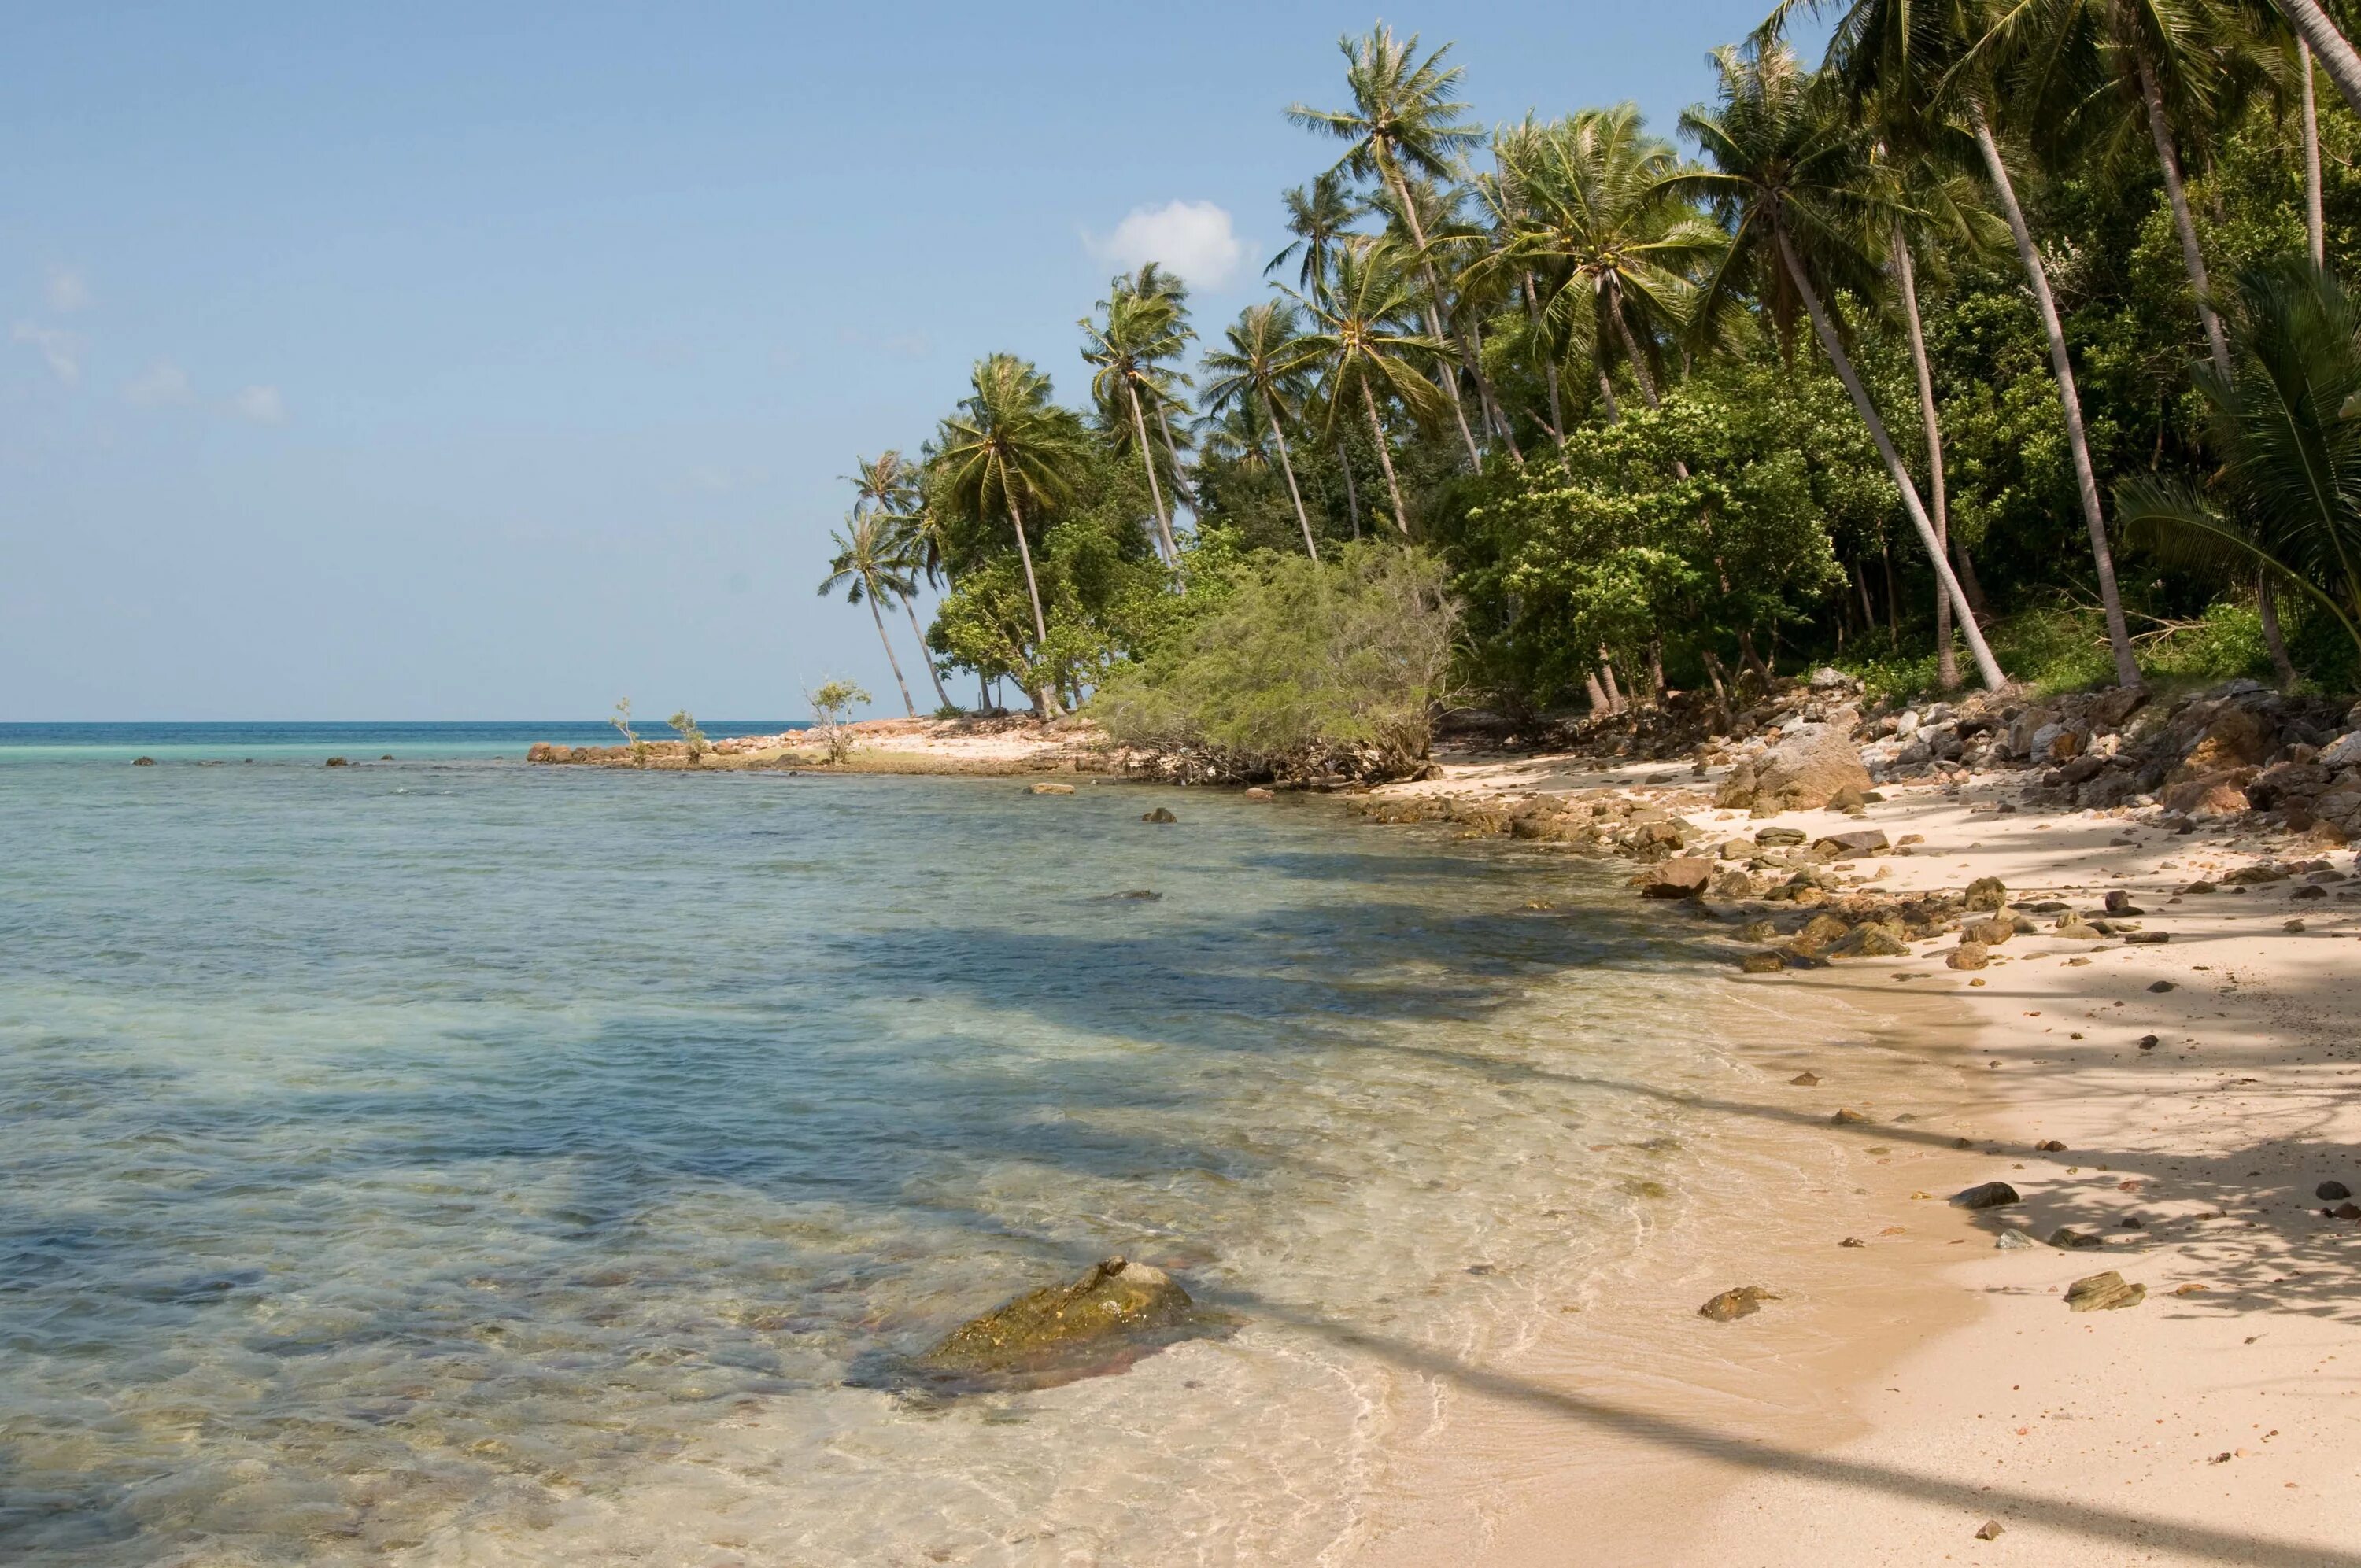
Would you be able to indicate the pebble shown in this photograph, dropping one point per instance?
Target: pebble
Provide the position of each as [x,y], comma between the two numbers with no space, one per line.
[1988,1530]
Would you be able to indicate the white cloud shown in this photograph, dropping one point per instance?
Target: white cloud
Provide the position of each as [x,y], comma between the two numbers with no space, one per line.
[1192,238]
[161,385]
[69,290]
[260,404]
[60,349]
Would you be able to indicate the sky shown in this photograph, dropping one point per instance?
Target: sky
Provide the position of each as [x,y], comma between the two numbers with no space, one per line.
[497,361]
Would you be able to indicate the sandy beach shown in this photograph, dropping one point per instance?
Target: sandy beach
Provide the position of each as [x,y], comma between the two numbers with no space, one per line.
[1930,1396]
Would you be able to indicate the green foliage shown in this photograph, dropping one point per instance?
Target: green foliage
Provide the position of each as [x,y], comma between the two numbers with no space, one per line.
[1296,658]
[685,724]
[831,707]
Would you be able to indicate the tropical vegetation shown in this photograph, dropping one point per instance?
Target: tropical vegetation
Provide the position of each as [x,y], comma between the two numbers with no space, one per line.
[2000,342]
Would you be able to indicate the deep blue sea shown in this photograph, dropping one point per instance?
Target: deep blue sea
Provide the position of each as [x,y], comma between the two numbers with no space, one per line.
[446,1160]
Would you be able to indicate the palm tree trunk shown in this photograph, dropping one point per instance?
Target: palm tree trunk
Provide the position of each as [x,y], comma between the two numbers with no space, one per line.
[932,673]
[1615,703]
[2314,228]
[1043,698]
[1639,373]
[1385,458]
[2159,127]
[1947,662]
[1288,468]
[1155,490]
[1433,304]
[1597,692]
[1352,490]
[1492,409]
[2078,442]
[1181,486]
[1986,665]
[2266,604]
[2336,56]
[892,662]
[1549,360]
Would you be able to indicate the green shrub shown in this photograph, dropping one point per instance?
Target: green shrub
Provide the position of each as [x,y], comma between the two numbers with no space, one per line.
[1298,659]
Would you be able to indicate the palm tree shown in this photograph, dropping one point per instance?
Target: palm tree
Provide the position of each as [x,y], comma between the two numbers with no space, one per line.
[2321,36]
[1362,348]
[1792,182]
[866,570]
[1321,219]
[1125,348]
[1916,70]
[1152,282]
[1262,368]
[1405,119]
[1009,447]
[1621,244]
[2286,425]
[890,488]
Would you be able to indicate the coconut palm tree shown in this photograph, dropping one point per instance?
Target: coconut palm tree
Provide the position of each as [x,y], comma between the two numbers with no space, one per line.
[1153,283]
[1124,349]
[1405,120]
[890,488]
[1009,448]
[2335,54]
[2285,426]
[1792,182]
[1914,67]
[1321,219]
[1364,353]
[865,569]
[1263,370]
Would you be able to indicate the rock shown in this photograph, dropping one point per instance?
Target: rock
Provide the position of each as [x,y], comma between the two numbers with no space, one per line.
[336,762]
[2050,1145]
[1685,876]
[2257,875]
[1848,1118]
[1730,883]
[1736,848]
[1988,1530]
[1819,932]
[2013,1241]
[2103,1293]
[1761,963]
[1853,1241]
[2332,1192]
[2148,939]
[2075,928]
[2345,751]
[1851,801]
[2209,798]
[2346,1211]
[2161,986]
[2307,893]
[1870,939]
[1968,955]
[1986,894]
[2066,1239]
[1778,837]
[1812,1081]
[1986,1195]
[1861,841]
[1805,769]
[1259,792]
[1040,1333]
[1160,814]
[143,762]
[2200,886]
[1050,789]
[2149,1042]
[1742,1302]
[1827,679]
[1991,932]
[1760,931]
[1738,788]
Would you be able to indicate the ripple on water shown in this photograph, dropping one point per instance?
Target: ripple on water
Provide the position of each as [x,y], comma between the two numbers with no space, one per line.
[519,1169]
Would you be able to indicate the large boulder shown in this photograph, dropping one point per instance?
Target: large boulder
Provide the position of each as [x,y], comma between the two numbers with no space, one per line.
[1685,877]
[2345,751]
[2233,738]
[1808,767]
[1060,1332]
[1738,787]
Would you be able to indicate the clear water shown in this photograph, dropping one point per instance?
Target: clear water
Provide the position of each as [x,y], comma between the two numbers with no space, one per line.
[448,1160]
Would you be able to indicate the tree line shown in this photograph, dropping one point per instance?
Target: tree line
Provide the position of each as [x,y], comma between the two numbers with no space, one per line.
[2011,329]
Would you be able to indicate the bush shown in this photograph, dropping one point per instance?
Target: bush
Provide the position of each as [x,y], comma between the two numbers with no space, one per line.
[1296,662]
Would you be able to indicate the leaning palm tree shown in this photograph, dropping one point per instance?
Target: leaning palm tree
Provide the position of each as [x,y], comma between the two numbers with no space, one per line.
[1912,66]
[1263,370]
[1364,353]
[864,567]
[1405,120]
[1793,183]
[2335,53]
[1008,448]
[889,487]
[2285,426]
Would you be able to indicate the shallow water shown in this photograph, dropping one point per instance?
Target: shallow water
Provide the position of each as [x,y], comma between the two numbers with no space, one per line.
[453,1161]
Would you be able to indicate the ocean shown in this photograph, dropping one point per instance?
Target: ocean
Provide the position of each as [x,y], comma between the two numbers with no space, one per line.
[445,1160]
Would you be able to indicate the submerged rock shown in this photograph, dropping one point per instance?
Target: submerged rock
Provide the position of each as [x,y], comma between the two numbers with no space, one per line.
[1049,789]
[143,762]
[1743,1301]
[1161,814]
[1099,1322]
[2103,1293]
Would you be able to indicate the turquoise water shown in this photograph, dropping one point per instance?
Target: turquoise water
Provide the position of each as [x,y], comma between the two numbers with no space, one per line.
[448,1160]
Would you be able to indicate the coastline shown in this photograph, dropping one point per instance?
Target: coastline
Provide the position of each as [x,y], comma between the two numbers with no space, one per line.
[1911,1390]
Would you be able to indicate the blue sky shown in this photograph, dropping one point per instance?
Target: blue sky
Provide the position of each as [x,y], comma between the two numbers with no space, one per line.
[497,361]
